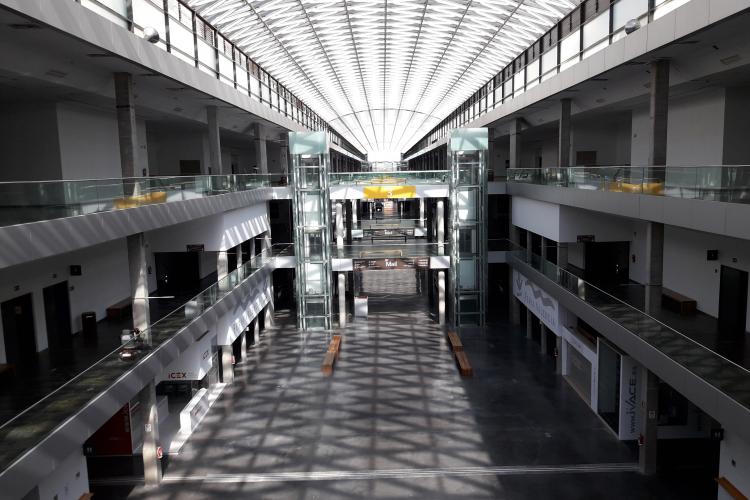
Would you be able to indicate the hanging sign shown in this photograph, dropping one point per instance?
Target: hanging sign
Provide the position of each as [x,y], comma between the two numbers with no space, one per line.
[398,263]
[384,192]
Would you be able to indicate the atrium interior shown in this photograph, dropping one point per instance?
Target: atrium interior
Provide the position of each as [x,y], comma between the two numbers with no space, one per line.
[338,249]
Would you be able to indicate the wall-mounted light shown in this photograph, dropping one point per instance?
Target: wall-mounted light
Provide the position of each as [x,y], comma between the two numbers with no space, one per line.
[631,26]
[150,34]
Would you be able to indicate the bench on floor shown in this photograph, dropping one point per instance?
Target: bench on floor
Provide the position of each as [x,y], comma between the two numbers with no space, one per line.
[464,368]
[677,302]
[331,354]
[86,496]
[120,310]
[455,342]
[731,489]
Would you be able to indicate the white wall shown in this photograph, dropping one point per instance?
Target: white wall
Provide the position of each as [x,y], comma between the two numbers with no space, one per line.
[695,134]
[610,140]
[69,481]
[28,141]
[538,217]
[687,271]
[89,144]
[217,232]
[734,449]
[167,148]
[104,281]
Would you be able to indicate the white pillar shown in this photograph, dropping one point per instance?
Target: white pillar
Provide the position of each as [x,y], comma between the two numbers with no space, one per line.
[355,213]
[243,344]
[227,367]
[339,224]
[441,297]
[126,128]
[138,280]
[342,299]
[222,269]
[214,141]
[261,155]
[151,463]
[421,212]
[440,222]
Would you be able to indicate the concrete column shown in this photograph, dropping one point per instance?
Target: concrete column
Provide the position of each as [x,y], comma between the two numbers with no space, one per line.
[529,319]
[270,311]
[441,297]
[227,368]
[138,268]
[284,153]
[126,129]
[563,150]
[440,226]
[543,340]
[529,250]
[243,343]
[255,330]
[515,144]
[239,261]
[342,299]
[559,358]
[654,266]
[222,269]
[214,141]
[261,155]
[421,212]
[650,411]
[339,224]
[151,464]
[658,112]
[355,214]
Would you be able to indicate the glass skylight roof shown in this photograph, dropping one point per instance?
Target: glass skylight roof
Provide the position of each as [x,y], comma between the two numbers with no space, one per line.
[383,73]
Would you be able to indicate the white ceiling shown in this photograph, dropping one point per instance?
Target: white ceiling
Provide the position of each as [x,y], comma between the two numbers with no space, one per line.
[383,72]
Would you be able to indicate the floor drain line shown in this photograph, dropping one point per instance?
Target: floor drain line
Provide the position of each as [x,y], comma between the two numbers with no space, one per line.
[403,473]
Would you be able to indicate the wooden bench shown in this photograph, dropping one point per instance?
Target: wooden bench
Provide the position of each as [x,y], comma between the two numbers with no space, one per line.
[730,488]
[678,302]
[120,310]
[331,354]
[86,496]
[455,342]
[464,368]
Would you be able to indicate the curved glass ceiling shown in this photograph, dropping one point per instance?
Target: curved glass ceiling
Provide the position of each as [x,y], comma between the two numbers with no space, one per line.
[383,73]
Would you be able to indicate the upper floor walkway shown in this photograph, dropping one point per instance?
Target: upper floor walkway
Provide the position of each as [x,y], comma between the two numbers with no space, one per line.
[713,199]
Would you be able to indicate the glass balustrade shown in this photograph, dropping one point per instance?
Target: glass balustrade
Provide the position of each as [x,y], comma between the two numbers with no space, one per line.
[23,202]
[33,424]
[723,374]
[406,249]
[728,183]
[407,177]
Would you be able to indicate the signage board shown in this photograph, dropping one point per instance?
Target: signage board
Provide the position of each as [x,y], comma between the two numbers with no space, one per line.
[630,399]
[395,263]
[384,192]
[537,300]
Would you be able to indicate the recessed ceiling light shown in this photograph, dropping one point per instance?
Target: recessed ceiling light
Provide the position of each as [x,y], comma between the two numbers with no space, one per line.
[25,26]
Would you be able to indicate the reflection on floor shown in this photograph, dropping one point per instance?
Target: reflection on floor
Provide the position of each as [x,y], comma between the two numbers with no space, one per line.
[396,421]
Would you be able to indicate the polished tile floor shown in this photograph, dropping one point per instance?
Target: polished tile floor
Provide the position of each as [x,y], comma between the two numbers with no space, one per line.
[396,421]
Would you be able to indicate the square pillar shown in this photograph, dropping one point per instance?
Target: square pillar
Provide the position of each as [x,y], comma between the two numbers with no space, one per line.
[529,320]
[515,144]
[339,225]
[654,266]
[440,226]
[126,128]
[658,112]
[647,449]
[543,340]
[261,154]
[214,141]
[151,462]
[441,297]
[138,268]
[563,149]
[222,269]
[342,299]
[227,364]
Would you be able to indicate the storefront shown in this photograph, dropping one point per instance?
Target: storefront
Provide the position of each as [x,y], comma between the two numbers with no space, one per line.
[579,365]
[618,391]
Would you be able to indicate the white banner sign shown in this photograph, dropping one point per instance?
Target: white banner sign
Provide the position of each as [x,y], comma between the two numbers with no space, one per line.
[193,364]
[537,300]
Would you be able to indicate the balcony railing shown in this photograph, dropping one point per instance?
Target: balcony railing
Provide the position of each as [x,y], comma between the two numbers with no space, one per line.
[23,202]
[718,371]
[32,425]
[728,183]
[390,250]
[402,177]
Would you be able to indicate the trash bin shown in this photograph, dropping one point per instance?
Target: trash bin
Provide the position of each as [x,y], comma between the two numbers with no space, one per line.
[360,306]
[88,325]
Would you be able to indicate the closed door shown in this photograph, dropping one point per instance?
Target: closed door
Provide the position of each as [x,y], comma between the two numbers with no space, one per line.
[18,330]
[732,303]
[57,317]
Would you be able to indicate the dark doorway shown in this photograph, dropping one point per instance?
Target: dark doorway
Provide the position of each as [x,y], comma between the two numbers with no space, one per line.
[607,262]
[18,330]
[57,318]
[190,167]
[586,158]
[232,258]
[732,303]
[177,272]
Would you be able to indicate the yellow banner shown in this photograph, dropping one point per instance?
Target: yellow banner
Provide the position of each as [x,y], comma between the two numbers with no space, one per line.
[382,192]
